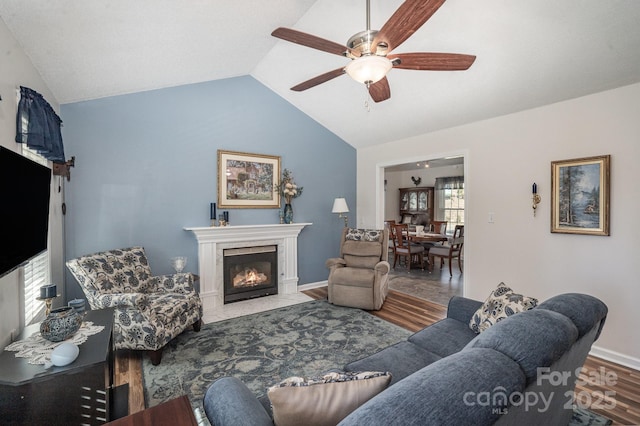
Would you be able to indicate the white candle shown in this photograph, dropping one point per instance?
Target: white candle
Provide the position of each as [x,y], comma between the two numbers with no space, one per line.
[48,291]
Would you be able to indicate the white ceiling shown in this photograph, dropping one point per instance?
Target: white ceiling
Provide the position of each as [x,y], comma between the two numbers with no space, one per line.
[529,53]
[431,164]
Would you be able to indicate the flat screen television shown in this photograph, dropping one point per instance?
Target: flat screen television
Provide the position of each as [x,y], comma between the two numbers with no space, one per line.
[25,189]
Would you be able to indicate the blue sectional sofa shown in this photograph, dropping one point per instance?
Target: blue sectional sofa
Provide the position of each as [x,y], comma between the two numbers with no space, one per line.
[522,370]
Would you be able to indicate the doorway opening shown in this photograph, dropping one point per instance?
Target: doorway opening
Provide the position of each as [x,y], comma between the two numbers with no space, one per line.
[419,193]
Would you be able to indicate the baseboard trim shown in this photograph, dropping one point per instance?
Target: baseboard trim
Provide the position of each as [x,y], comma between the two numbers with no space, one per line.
[310,286]
[616,357]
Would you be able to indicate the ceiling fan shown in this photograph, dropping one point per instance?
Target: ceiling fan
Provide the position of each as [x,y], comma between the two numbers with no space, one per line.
[370,50]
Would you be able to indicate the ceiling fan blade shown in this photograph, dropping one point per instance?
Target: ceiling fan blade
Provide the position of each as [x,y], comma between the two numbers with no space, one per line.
[432,61]
[309,40]
[405,21]
[322,78]
[380,91]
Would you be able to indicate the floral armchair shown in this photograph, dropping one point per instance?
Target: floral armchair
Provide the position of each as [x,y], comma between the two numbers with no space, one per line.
[149,311]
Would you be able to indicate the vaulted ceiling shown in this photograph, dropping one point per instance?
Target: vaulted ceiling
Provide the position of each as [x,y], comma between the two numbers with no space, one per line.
[529,53]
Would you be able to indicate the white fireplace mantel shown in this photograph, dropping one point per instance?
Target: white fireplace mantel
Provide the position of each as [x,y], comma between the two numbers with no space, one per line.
[213,240]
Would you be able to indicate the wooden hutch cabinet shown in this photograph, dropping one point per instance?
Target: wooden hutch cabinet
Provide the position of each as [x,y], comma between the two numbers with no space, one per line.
[418,200]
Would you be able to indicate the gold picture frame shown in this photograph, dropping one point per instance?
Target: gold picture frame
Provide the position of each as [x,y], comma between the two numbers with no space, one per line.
[580,196]
[248,180]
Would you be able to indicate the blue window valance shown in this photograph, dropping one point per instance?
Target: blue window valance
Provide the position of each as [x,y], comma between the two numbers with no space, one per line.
[38,125]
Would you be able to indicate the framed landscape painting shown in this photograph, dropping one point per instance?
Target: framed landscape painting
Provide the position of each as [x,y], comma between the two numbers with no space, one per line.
[580,196]
[247,180]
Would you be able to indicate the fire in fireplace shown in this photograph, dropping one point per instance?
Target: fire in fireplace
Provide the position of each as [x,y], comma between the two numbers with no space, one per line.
[250,272]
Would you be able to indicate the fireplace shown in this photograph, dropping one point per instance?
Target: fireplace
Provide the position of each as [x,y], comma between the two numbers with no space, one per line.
[213,240]
[250,272]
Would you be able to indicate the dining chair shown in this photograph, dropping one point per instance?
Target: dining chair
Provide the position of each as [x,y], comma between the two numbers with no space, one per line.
[449,251]
[404,248]
[439,226]
[388,224]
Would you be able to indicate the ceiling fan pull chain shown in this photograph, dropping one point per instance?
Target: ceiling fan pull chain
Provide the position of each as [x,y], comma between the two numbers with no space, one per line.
[367,106]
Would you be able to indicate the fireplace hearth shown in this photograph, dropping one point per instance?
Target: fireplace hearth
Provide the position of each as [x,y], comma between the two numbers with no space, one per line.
[250,272]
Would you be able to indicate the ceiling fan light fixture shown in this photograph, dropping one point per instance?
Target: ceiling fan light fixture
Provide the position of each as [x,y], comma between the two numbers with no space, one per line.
[368,69]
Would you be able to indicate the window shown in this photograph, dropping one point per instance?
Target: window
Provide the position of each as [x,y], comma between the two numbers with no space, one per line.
[36,272]
[450,196]
[453,208]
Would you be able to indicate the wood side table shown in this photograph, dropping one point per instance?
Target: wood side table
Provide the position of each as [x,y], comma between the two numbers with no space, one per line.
[176,412]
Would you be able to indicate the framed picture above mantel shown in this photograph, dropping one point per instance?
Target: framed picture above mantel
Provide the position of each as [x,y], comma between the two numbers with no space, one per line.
[580,196]
[247,180]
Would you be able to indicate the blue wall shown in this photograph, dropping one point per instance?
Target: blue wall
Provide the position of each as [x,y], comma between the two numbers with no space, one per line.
[146,167]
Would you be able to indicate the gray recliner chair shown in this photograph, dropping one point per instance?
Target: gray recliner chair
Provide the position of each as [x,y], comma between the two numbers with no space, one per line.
[360,277]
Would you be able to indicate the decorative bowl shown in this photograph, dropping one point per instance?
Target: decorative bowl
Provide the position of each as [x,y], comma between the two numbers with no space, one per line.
[60,324]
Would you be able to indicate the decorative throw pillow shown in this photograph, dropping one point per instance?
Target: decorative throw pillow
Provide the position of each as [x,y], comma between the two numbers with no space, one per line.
[501,303]
[324,400]
[354,234]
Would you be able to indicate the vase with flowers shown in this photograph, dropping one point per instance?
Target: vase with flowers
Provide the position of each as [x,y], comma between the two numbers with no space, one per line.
[289,190]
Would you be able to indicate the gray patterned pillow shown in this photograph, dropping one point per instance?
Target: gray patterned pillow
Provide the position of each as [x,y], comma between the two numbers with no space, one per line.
[354,234]
[501,303]
[326,399]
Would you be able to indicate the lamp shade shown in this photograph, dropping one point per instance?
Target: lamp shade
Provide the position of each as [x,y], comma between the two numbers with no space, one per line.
[340,206]
[368,69]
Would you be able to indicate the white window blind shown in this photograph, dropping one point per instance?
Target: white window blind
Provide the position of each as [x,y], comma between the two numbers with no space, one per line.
[36,272]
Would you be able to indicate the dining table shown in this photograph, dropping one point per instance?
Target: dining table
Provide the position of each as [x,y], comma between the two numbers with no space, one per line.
[431,237]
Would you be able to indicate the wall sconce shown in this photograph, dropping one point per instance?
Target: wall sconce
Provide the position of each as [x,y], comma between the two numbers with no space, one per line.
[340,207]
[535,198]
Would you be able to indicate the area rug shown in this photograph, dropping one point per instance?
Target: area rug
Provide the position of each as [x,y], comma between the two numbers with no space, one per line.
[262,349]
[423,288]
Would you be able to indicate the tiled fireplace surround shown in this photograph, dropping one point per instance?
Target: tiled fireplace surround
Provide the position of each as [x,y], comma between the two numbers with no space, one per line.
[211,243]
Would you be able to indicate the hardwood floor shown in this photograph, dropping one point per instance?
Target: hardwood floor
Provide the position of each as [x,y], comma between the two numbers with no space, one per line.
[609,389]
[129,370]
[401,309]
